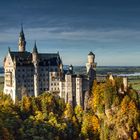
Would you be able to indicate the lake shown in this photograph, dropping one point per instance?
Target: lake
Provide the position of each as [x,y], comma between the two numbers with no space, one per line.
[131,74]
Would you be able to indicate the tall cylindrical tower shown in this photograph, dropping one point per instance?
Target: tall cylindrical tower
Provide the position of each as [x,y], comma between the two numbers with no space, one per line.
[91,58]
[36,70]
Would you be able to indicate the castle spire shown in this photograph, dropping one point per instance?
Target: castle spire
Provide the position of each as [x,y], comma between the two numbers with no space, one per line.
[35,54]
[35,48]
[9,50]
[22,42]
[36,72]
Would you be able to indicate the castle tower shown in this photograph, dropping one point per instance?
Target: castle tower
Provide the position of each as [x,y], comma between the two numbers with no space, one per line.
[125,83]
[22,42]
[79,91]
[91,68]
[36,71]
[68,88]
[60,69]
[90,62]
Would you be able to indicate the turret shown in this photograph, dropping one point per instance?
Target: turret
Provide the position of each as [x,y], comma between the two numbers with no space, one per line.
[91,58]
[90,64]
[36,70]
[35,54]
[125,83]
[91,69]
[60,69]
[22,42]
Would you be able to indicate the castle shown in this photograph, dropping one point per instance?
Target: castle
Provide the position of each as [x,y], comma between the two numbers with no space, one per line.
[32,73]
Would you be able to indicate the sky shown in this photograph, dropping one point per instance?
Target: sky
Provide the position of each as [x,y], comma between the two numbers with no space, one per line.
[108,28]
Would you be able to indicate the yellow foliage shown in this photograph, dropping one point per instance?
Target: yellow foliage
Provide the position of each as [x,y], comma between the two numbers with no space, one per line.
[97,98]
[95,123]
[39,116]
[135,135]
[26,103]
[52,119]
[68,113]
[132,106]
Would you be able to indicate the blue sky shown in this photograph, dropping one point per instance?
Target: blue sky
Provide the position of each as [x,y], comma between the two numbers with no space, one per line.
[109,28]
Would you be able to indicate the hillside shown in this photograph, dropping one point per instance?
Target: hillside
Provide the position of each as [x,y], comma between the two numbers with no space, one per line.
[110,115]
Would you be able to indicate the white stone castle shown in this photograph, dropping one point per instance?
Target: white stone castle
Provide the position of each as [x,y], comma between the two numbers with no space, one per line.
[32,73]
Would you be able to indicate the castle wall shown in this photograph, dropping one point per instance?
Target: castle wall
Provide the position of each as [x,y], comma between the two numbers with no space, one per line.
[62,89]
[43,78]
[24,80]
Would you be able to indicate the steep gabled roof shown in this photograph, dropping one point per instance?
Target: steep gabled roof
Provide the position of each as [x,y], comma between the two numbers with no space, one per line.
[22,58]
[45,59]
[50,59]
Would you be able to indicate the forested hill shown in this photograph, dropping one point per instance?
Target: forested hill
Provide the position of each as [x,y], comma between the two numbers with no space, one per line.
[111,115]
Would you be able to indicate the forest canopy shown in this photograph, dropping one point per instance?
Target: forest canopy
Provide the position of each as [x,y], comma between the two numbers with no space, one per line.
[110,115]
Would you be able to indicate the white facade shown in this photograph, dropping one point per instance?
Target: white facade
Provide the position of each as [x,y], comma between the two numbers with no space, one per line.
[73,88]
[32,73]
